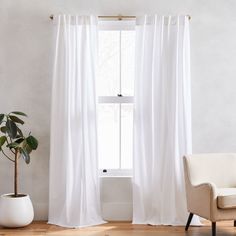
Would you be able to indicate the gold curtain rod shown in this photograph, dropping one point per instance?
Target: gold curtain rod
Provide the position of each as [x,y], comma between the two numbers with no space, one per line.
[119,17]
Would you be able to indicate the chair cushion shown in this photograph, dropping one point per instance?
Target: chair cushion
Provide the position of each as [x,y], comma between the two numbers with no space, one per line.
[226,198]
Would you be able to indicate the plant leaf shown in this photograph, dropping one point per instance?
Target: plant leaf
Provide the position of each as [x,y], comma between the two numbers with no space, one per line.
[13,145]
[19,140]
[1,117]
[16,119]
[24,145]
[3,139]
[20,132]
[11,128]
[32,142]
[3,129]
[18,113]
[25,155]
[28,148]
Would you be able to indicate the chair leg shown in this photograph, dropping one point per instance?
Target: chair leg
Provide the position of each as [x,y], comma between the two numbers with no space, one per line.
[189,221]
[213,225]
[234,223]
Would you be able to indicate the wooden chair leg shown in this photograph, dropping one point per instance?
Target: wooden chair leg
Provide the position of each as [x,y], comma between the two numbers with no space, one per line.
[213,226]
[189,221]
[234,223]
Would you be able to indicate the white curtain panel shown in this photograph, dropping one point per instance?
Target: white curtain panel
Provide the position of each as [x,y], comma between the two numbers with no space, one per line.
[162,120]
[74,188]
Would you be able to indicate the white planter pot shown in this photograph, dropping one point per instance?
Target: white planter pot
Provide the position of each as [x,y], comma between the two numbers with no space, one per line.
[16,211]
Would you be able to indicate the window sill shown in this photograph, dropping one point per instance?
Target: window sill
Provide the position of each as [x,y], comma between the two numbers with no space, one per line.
[126,173]
[115,176]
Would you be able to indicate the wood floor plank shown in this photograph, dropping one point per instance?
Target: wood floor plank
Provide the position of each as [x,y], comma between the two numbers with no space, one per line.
[119,229]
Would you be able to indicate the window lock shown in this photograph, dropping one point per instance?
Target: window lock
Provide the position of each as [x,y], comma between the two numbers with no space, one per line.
[119,95]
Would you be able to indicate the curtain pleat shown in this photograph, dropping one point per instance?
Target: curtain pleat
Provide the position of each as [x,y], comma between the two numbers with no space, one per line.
[74,199]
[162,120]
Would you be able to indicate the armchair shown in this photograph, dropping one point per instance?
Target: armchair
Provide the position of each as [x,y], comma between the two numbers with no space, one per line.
[210,181]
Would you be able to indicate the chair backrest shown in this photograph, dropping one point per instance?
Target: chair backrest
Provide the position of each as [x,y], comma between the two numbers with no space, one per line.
[219,169]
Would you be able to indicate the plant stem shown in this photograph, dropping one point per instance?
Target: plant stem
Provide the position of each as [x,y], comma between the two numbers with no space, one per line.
[16,175]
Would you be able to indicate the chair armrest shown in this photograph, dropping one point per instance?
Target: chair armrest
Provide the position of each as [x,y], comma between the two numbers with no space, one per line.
[200,198]
[208,185]
[206,190]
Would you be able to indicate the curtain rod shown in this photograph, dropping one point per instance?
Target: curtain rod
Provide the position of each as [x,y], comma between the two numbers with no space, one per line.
[119,17]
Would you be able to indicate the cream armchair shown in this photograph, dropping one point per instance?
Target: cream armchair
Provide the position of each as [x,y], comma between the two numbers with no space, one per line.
[211,187]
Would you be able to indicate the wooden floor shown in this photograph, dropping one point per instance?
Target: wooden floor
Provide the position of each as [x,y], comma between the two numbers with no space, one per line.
[120,229]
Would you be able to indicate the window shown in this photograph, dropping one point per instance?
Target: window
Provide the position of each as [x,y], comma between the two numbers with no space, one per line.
[115,88]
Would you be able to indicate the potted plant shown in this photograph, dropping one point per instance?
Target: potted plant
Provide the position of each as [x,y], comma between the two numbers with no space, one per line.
[16,209]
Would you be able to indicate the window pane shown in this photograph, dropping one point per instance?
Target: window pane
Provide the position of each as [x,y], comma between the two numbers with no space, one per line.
[108,63]
[115,120]
[127,62]
[126,136]
[108,136]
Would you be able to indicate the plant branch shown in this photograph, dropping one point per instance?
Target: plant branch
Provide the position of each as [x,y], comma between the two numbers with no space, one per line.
[16,175]
[7,156]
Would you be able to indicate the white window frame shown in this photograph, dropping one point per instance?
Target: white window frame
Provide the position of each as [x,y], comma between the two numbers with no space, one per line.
[106,25]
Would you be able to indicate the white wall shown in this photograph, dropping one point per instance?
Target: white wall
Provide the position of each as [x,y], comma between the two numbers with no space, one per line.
[116,198]
[26,55]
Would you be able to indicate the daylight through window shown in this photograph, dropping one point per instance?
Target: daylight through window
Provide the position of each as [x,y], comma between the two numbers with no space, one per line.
[115,88]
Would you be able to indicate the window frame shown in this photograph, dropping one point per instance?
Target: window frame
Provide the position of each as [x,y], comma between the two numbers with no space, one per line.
[124,25]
